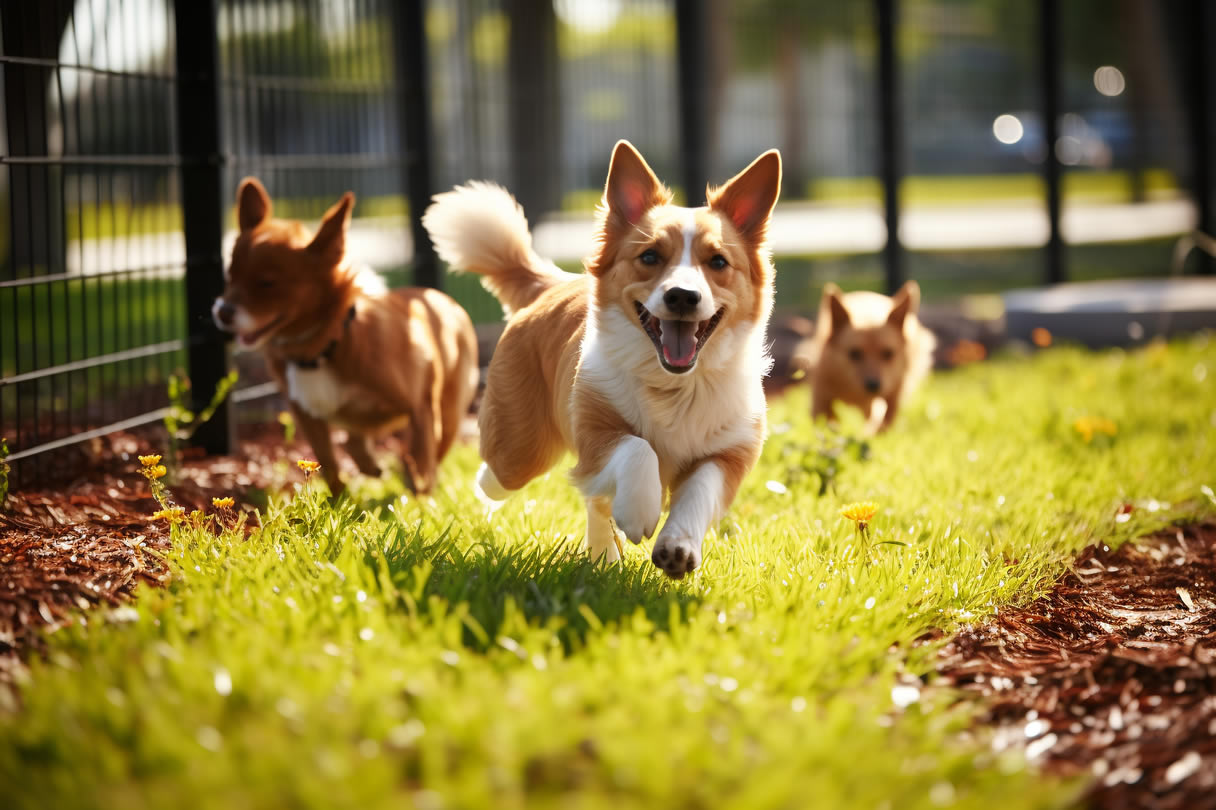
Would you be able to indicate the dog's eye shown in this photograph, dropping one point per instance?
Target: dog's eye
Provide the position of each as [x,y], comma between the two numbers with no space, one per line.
[649,256]
[855,355]
[888,354]
[718,262]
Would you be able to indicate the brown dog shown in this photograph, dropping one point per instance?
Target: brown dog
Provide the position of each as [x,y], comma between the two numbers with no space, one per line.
[866,348]
[648,367]
[341,347]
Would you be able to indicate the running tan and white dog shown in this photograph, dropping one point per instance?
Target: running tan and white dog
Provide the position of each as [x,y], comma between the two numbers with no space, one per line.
[869,351]
[648,367]
[341,347]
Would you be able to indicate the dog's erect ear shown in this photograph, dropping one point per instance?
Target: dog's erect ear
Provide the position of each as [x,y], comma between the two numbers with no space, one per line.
[905,302]
[632,188]
[748,198]
[831,306]
[330,241]
[252,204]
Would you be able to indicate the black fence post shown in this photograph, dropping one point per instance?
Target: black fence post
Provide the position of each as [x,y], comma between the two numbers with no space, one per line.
[1201,102]
[886,19]
[692,75]
[198,132]
[410,61]
[1049,78]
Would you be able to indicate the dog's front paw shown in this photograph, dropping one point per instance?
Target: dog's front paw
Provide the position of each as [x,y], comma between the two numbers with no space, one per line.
[677,556]
[636,509]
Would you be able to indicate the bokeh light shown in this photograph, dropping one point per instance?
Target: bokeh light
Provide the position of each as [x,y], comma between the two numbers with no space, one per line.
[1109,80]
[1007,128]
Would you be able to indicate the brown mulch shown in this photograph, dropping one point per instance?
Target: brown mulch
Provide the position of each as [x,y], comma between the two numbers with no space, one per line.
[90,542]
[1112,674]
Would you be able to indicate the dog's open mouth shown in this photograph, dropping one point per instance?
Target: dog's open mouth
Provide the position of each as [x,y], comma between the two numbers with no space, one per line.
[677,342]
[250,339]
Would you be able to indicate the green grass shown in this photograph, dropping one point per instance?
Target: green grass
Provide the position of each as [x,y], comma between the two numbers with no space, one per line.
[418,653]
[928,190]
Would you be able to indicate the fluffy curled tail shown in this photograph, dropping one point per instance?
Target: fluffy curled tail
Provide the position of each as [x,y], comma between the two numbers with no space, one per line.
[479,228]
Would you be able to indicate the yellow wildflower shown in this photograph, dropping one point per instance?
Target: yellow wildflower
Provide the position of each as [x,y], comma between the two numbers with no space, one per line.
[149,461]
[173,514]
[221,503]
[309,467]
[159,471]
[1087,426]
[860,513]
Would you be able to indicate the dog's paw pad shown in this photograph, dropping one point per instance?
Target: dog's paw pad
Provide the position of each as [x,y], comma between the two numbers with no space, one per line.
[676,557]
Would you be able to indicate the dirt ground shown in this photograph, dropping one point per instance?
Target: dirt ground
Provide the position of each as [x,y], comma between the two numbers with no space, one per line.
[1112,674]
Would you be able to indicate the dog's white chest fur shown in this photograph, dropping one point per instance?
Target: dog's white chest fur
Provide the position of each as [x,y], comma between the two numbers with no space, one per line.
[316,390]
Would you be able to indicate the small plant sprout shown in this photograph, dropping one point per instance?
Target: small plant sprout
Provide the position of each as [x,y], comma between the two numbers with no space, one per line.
[861,513]
[153,470]
[4,469]
[289,426]
[308,466]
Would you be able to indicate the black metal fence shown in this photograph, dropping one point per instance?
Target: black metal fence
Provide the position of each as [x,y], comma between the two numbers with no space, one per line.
[997,142]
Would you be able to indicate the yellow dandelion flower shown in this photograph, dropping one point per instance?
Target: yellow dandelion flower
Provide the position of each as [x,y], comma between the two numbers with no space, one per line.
[149,461]
[860,513]
[309,467]
[221,503]
[173,514]
[1087,426]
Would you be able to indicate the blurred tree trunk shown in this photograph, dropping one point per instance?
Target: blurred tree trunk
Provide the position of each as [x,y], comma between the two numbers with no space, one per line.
[793,129]
[534,105]
[721,45]
[36,212]
[1151,96]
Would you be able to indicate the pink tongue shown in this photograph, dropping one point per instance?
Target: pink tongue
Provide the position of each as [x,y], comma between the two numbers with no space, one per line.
[679,342]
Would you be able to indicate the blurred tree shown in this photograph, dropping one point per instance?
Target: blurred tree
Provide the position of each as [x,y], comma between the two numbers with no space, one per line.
[775,35]
[533,109]
[32,30]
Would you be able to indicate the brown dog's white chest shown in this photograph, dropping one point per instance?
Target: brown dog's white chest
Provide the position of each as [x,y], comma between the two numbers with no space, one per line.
[317,391]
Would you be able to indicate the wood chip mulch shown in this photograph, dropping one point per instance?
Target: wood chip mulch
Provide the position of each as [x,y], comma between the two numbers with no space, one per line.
[90,542]
[1112,675]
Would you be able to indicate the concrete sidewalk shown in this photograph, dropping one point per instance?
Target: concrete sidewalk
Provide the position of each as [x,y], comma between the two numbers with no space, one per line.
[797,229]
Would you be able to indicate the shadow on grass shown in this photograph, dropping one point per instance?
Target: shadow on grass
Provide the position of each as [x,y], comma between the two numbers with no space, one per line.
[555,586]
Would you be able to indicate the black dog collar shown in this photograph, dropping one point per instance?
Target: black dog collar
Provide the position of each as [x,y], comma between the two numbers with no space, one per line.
[328,351]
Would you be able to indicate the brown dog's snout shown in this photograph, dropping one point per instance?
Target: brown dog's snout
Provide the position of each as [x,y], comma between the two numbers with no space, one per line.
[224,312]
[681,301]
[872,384]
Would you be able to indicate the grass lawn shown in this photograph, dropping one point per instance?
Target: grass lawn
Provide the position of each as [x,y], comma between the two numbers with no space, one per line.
[418,653]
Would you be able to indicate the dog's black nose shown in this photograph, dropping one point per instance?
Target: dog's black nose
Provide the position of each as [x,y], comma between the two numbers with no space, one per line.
[872,385]
[225,312]
[681,301]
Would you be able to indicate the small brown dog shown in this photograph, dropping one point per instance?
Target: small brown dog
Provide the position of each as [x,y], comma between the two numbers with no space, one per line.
[866,348]
[343,348]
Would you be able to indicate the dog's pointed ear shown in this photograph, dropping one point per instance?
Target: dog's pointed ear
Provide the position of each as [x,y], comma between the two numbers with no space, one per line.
[632,188]
[831,306]
[747,199]
[252,204]
[330,241]
[905,302]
